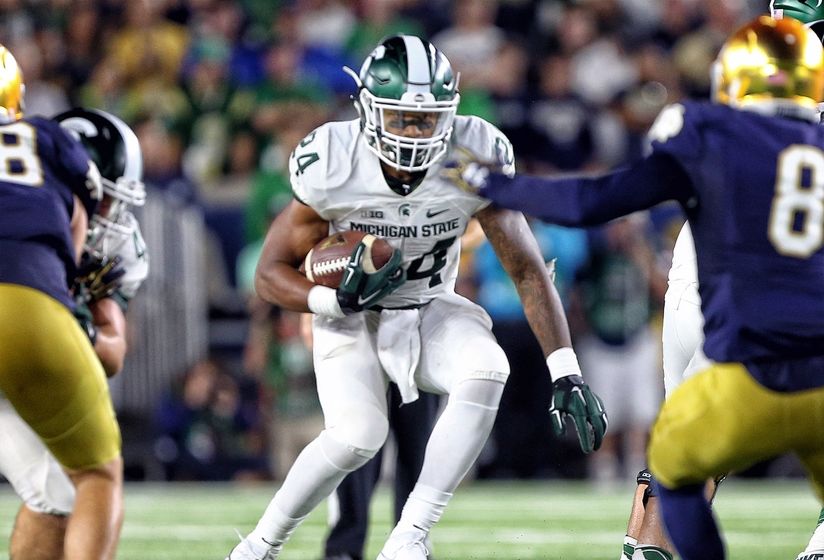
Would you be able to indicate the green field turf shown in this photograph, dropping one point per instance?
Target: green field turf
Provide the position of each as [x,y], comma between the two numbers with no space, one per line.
[501,521]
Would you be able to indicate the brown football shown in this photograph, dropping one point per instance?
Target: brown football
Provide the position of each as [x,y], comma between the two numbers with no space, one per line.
[327,260]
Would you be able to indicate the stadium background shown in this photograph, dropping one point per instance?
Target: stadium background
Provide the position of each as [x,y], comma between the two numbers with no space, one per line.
[218,386]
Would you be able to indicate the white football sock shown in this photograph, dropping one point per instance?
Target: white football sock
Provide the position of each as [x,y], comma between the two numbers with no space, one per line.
[317,471]
[456,441]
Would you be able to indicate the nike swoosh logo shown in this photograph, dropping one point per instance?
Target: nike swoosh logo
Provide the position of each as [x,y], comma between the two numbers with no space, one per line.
[433,213]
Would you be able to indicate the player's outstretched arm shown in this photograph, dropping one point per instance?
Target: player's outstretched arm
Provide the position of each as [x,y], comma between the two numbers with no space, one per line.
[576,200]
[572,399]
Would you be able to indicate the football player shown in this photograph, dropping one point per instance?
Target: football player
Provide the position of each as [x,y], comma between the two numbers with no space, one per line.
[682,339]
[380,174]
[49,371]
[749,173]
[113,265]
[810,14]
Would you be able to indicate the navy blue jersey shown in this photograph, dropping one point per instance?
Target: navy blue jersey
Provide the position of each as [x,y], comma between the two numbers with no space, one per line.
[41,167]
[753,190]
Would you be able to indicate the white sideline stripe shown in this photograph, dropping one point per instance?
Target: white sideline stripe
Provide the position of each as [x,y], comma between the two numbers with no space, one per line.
[456,535]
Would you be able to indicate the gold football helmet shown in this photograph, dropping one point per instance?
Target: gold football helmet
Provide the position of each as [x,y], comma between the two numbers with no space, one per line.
[771,66]
[12,88]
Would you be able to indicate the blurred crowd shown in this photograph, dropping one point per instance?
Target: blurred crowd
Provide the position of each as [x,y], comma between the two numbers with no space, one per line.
[220,91]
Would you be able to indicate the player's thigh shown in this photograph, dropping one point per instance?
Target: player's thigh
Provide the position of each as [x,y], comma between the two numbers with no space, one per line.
[349,377]
[34,474]
[53,378]
[682,333]
[719,420]
[457,344]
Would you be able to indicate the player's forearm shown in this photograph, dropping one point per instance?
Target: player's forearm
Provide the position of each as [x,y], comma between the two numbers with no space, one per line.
[79,227]
[587,201]
[544,311]
[110,342]
[281,284]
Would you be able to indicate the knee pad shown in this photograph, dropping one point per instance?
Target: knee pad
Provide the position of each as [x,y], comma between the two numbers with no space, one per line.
[484,393]
[342,456]
[363,431]
[45,488]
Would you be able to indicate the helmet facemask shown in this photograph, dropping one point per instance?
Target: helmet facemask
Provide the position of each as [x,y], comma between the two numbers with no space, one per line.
[112,222]
[408,153]
[407,100]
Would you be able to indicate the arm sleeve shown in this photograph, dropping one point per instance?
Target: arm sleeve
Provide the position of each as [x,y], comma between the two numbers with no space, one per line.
[586,201]
[75,165]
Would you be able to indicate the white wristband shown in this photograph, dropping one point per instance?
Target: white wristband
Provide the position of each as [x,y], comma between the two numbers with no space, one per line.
[562,362]
[324,301]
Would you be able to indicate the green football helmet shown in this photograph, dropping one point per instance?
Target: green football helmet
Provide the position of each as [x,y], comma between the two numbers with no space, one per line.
[808,12]
[406,77]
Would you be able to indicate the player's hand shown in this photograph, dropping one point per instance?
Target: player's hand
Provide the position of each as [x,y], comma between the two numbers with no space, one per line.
[466,171]
[98,278]
[84,318]
[361,290]
[573,399]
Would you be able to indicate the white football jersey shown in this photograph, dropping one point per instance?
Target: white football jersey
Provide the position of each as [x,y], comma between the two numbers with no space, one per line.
[333,171]
[127,242]
[684,263]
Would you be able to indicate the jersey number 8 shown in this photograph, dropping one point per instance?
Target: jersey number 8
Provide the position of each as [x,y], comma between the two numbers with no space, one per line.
[19,162]
[796,227]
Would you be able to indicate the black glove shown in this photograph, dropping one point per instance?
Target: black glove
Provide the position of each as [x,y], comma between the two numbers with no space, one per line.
[97,278]
[572,398]
[360,290]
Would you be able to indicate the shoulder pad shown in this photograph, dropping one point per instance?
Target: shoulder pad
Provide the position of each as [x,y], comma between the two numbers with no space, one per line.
[676,131]
[485,140]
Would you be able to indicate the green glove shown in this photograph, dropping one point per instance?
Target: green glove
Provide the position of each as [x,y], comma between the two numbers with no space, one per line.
[572,398]
[99,277]
[84,318]
[361,290]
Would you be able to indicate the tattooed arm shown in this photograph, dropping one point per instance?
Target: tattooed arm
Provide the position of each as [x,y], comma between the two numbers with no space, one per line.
[572,399]
[516,248]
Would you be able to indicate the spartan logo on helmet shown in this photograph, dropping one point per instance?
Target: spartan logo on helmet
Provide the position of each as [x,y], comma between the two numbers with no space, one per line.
[808,12]
[406,79]
[114,147]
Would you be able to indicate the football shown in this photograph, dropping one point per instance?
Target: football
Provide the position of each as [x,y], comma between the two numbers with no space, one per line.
[326,261]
